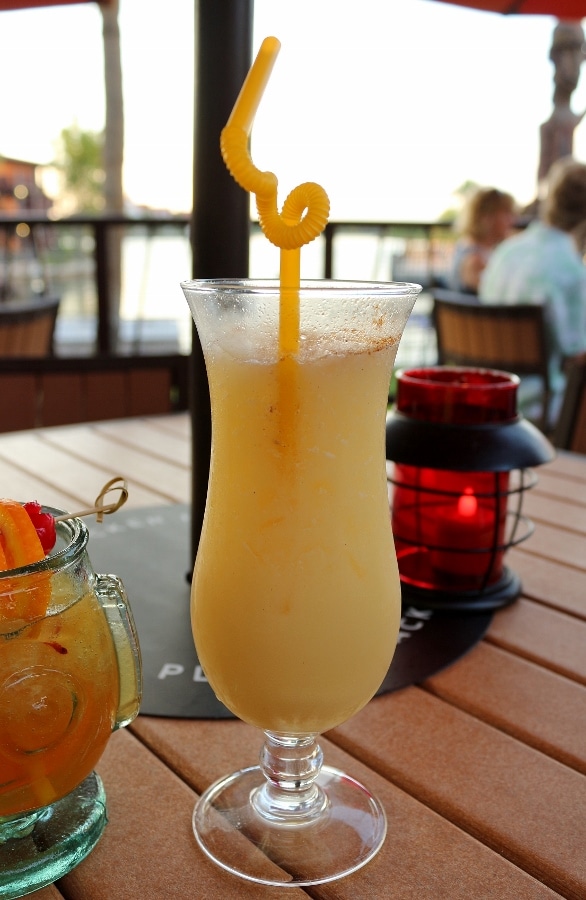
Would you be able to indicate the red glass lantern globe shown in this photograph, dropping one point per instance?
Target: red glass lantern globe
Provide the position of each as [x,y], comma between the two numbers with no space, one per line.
[461,458]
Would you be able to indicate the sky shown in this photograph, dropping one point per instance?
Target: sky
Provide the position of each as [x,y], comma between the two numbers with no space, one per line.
[390,106]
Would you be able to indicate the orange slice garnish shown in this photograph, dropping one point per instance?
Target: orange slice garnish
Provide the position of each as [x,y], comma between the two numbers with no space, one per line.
[27,597]
[20,541]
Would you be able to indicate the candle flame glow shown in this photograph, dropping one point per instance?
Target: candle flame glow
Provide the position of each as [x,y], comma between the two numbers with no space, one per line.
[467,504]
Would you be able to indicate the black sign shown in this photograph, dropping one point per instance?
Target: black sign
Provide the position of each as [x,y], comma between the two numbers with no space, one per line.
[149,550]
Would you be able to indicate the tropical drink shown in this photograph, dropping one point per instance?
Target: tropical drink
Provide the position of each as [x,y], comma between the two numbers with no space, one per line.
[69,676]
[296,601]
[58,700]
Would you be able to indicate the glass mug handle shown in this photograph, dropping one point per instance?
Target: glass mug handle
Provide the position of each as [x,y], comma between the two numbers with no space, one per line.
[113,600]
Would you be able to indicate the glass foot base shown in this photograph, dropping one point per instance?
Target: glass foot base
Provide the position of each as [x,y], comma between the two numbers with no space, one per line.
[62,835]
[343,838]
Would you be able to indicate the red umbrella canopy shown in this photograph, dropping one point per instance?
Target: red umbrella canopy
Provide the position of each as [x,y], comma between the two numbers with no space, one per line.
[561,9]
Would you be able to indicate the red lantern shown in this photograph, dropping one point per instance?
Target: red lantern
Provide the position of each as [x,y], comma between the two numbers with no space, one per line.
[461,454]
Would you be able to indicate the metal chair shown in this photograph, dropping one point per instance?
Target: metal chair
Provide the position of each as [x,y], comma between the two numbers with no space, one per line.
[27,328]
[508,337]
[570,430]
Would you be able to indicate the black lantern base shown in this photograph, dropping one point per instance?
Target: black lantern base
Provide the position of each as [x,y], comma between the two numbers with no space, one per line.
[494,596]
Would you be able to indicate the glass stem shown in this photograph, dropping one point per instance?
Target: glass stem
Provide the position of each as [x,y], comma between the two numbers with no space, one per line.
[290,764]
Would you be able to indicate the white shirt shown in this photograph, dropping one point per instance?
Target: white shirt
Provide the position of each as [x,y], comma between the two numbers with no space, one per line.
[542,264]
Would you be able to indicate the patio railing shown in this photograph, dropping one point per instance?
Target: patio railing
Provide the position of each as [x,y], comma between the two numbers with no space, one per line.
[71,258]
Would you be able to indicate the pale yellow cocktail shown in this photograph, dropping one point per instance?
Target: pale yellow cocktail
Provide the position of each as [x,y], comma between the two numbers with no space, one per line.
[295,598]
[296,595]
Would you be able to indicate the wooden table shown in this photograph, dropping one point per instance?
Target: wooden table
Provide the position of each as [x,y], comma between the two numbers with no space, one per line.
[482,769]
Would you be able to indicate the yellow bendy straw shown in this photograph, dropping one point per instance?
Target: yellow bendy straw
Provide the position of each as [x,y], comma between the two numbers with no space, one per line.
[305,211]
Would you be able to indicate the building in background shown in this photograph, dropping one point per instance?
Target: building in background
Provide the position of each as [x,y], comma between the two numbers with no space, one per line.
[20,192]
[20,187]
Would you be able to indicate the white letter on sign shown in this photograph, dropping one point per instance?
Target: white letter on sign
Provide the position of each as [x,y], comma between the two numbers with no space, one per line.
[171,669]
[198,674]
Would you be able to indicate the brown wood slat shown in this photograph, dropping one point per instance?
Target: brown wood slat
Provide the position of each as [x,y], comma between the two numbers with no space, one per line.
[18,402]
[535,706]
[557,484]
[488,334]
[544,636]
[61,398]
[525,345]
[523,804]
[15,340]
[104,396]
[19,485]
[560,546]
[456,337]
[24,341]
[149,392]
[568,465]
[423,858]
[179,423]
[169,444]
[561,513]
[26,328]
[5,340]
[559,586]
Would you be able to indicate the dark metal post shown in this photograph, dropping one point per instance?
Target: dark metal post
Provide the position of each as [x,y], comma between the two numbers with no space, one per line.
[329,253]
[220,228]
[101,255]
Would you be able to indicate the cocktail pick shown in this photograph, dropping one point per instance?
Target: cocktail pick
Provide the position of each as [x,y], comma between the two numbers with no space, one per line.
[101,509]
[44,522]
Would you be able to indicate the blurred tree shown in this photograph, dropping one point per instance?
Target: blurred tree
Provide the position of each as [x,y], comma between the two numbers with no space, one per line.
[460,195]
[79,158]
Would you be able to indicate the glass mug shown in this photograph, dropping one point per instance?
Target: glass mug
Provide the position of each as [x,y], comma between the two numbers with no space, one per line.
[70,675]
[295,595]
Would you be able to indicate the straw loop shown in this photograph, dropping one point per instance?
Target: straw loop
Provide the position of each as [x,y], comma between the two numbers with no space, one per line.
[302,219]
[236,156]
[306,209]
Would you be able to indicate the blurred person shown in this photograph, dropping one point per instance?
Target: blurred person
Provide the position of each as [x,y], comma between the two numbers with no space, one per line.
[487,219]
[544,264]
